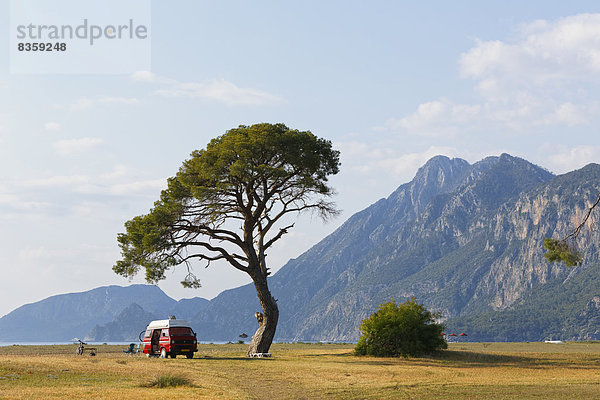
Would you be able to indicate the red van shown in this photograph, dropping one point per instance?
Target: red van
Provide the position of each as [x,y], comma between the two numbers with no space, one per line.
[169,337]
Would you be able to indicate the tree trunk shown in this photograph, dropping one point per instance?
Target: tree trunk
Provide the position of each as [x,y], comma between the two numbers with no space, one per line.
[267,320]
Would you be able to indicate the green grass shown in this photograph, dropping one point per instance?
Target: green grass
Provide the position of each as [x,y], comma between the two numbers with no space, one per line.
[329,371]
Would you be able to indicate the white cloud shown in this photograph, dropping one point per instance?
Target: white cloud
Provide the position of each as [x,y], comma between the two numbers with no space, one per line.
[558,58]
[80,104]
[56,181]
[372,158]
[351,149]
[118,182]
[70,147]
[571,114]
[68,256]
[218,90]
[122,181]
[118,171]
[549,75]
[129,188]
[52,126]
[101,212]
[223,91]
[118,100]
[437,118]
[86,103]
[405,165]
[19,204]
[144,76]
[139,187]
[150,77]
[545,51]
[562,159]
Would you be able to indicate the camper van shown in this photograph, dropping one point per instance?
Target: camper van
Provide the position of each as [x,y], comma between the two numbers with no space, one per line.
[169,337]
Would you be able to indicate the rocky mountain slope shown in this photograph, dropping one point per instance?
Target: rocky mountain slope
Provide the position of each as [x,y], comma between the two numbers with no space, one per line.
[464,239]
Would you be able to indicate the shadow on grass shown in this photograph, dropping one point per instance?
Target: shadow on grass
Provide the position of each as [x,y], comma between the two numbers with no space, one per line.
[470,359]
[467,359]
[225,358]
[446,358]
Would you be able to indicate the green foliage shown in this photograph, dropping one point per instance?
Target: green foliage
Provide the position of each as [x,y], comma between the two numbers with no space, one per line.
[262,152]
[250,177]
[559,250]
[408,329]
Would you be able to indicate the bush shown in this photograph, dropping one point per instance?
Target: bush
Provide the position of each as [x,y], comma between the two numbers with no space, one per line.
[169,380]
[408,329]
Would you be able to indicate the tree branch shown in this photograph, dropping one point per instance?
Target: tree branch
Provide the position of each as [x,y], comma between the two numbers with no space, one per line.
[561,249]
[224,254]
[577,230]
[275,238]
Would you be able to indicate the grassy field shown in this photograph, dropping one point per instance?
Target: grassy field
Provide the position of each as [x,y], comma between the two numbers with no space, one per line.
[306,371]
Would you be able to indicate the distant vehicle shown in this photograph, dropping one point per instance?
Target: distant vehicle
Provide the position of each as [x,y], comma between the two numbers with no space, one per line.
[169,337]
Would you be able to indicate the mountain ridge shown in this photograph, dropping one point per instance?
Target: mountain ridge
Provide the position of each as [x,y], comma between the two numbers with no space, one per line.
[65,316]
[464,239]
[446,248]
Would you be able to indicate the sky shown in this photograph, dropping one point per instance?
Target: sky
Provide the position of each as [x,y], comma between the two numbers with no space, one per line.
[390,83]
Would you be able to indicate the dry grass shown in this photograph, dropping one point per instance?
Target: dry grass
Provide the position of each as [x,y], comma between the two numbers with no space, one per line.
[169,380]
[296,371]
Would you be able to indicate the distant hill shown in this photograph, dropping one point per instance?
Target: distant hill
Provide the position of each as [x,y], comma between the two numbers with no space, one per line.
[464,239]
[126,326]
[63,317]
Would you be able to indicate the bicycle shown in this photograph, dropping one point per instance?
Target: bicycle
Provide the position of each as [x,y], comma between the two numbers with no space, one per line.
[81,348]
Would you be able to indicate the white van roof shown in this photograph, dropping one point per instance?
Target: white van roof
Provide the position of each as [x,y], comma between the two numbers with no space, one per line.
[168,323]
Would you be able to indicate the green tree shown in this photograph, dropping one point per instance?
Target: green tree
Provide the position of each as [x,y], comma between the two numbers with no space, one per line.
[408,329]
[228,202]
[564,250]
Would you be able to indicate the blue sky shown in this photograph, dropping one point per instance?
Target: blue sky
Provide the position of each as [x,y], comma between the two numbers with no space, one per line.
[391,83]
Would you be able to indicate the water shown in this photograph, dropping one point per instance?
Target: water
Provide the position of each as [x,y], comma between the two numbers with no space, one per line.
[58,342]
[89,343]
[135,341]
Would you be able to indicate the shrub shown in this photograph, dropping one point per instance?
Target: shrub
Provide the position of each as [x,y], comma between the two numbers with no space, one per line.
[408,329]
[169,380]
